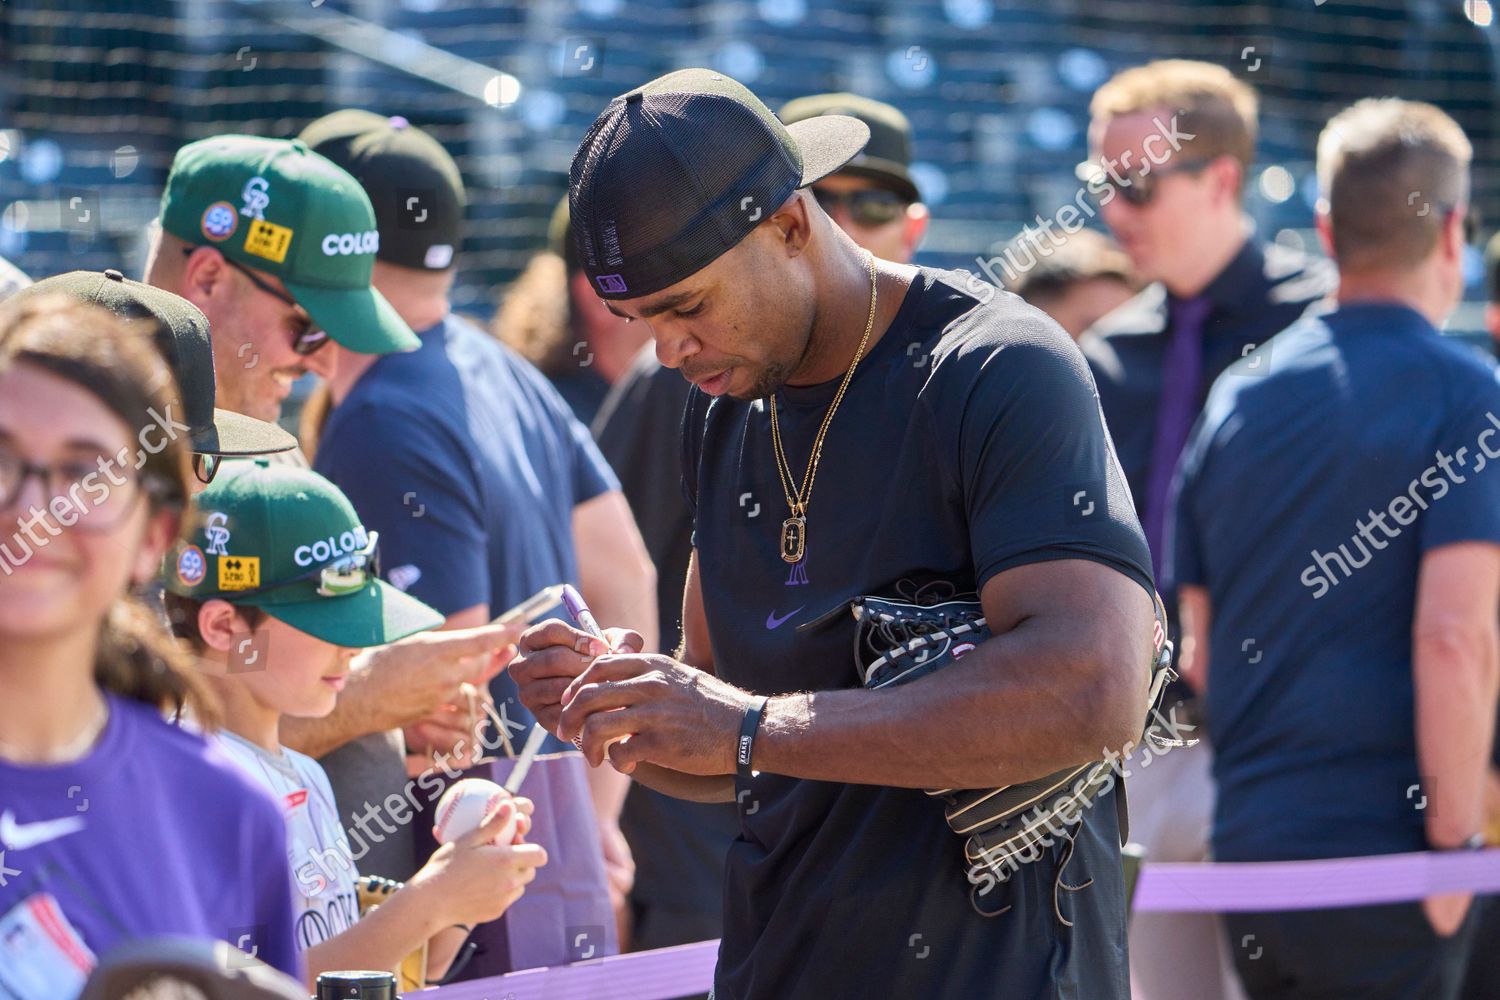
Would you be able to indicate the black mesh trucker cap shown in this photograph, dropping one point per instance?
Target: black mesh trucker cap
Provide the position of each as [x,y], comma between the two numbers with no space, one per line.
[677,172]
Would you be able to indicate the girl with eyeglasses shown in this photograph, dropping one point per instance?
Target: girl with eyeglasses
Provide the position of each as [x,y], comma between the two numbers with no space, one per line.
[114,822]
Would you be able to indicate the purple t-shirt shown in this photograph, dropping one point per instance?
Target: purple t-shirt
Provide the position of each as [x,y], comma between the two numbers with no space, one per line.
[154,832]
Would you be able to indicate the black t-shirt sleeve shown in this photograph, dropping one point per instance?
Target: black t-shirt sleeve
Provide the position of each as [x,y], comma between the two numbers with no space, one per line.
[1014,408]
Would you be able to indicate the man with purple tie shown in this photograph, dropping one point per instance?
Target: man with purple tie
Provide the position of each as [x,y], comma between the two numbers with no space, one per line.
[1215,294]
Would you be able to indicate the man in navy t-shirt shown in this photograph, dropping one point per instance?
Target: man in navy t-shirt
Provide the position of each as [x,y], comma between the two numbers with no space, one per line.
[485,490]
[1337,546]
[964,452]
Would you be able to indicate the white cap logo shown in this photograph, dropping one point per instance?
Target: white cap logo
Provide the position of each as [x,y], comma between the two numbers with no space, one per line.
[344,244]
[330,548]
[256,196]
[218,534]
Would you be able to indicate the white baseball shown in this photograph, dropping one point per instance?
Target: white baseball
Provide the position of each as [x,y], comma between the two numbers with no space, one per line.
[464,806]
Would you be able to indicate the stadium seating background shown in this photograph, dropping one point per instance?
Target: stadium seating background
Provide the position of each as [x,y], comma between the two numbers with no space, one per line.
[96,96]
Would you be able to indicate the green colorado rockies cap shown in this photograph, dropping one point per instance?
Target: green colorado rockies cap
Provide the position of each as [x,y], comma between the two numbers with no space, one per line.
[276,206]
[285,540]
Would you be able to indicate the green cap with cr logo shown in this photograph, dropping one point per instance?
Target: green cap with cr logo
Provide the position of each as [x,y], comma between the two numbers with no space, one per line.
[285,540]
[276,206]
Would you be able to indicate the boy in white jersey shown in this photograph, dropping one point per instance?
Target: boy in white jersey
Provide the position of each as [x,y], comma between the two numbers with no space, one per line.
[275,588]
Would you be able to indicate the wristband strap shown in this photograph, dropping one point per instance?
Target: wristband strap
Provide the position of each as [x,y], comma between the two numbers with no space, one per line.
[746,746]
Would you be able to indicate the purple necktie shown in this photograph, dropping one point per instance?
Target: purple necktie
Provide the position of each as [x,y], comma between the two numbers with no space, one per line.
[1176,409]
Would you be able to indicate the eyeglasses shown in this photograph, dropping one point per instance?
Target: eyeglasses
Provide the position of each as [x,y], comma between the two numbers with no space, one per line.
[1140,189]
[90,495]
[205,467]
[304,343]
[348,574]
[868,207]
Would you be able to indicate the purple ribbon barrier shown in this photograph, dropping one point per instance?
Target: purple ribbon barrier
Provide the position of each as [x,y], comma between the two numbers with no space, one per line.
[641,975]
[1313,885]
[1212,887]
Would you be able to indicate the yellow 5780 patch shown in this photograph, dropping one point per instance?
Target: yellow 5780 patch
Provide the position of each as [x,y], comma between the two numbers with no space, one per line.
[239,572]
[268,240]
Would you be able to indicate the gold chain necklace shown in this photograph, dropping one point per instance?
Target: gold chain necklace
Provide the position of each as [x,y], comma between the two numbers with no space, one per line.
[794,528]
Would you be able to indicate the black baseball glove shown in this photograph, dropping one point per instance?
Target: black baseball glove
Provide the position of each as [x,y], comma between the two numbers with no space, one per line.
[897,641]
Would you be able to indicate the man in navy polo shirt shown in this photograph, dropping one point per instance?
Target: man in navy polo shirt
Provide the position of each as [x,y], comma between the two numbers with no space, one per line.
[1337,553]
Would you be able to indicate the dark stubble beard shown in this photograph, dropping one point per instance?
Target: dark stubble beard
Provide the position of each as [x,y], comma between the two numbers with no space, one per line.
[778,373]
[771,378]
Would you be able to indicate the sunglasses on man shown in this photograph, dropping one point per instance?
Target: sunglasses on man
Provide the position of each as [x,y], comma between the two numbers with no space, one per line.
[868,208]
[304,342]
[1137,189]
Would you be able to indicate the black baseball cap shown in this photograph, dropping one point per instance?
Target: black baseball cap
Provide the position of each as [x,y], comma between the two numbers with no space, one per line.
[415,186]
[675,173]
[886,158]
[180,332]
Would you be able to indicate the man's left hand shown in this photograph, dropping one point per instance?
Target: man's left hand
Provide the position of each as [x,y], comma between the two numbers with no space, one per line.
[674,715]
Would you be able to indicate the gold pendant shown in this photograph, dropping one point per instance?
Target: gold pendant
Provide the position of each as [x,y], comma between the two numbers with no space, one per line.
[793,539]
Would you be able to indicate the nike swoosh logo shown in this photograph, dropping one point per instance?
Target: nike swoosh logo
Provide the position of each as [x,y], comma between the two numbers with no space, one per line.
[773,622]
[20,836]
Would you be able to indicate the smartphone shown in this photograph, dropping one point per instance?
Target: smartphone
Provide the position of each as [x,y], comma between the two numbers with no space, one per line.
[533,606]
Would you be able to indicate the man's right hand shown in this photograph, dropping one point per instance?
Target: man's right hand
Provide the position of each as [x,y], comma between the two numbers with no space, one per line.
[552,654]
[477,877]
[411,680]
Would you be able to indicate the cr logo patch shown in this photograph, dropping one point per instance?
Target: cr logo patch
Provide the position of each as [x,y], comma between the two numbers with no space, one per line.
[218,533]
[256,195]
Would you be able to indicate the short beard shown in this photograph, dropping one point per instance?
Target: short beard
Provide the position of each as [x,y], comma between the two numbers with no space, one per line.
[778,373]
[772,377]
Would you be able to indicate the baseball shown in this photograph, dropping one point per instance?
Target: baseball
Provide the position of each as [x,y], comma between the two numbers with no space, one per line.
[465,805]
